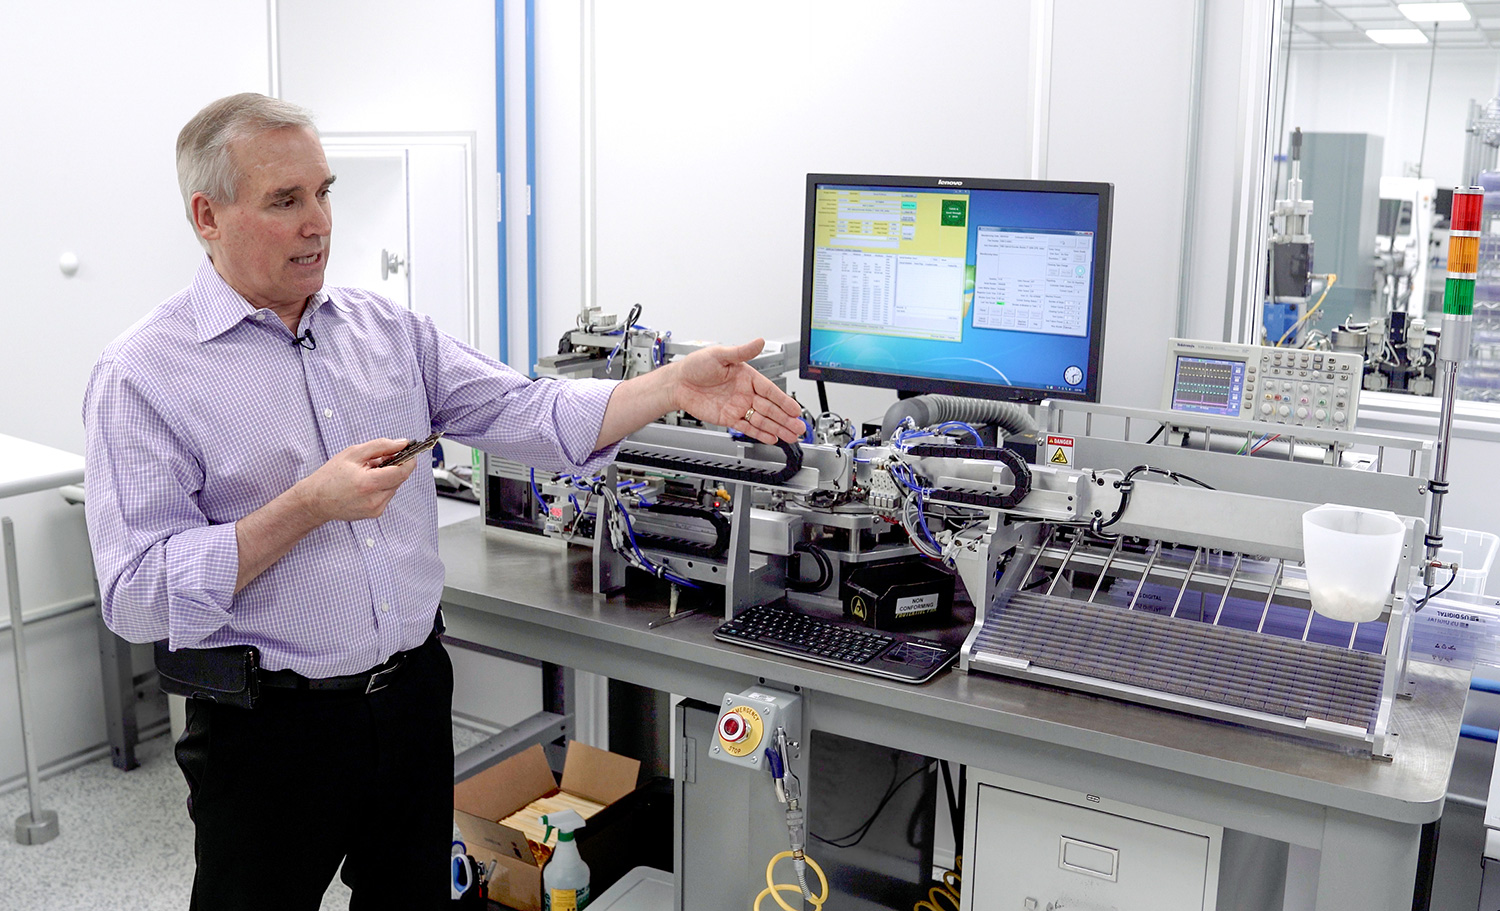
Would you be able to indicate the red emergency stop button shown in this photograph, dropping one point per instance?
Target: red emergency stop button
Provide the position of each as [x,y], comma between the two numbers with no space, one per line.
[732,728]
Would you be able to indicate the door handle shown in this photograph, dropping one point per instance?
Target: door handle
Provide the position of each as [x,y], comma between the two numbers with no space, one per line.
[390,264]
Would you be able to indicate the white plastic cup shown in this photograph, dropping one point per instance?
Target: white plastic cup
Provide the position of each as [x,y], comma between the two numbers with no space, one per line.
[1351,556]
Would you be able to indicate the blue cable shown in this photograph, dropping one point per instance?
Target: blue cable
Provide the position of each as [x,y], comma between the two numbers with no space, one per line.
[1484,686]
[647,564]
[901,438]
[962,426]
[922,520]
[773,761]
[1474,732]
[904,476]
[537,493]
[610,361]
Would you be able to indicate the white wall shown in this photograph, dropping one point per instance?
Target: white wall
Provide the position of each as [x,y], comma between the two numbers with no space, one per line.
[1218,145]
[1119,112]
[392,67]
[89,169]
[1384,92]
[710,116]
[87,166]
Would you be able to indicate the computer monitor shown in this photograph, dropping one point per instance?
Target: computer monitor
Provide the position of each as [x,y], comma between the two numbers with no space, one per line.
[988,288]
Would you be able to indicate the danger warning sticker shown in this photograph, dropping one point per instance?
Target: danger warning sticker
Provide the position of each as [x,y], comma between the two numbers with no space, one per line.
[1059,451]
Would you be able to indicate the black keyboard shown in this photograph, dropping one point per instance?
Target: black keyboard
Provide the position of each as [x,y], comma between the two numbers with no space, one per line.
[784,631]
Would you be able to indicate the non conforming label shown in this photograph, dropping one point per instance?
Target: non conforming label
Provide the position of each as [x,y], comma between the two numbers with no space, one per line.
[917,604]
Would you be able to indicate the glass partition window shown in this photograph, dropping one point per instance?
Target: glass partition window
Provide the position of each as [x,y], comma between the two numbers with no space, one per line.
[1379,110]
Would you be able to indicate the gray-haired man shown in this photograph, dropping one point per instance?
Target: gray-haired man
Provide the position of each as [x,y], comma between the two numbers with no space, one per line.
[237,499]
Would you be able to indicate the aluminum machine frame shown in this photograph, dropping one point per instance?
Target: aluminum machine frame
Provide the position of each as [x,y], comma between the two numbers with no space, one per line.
[1232,534]
[1127,573]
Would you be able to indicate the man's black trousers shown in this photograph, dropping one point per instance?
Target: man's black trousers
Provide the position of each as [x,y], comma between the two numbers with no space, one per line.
[283,793]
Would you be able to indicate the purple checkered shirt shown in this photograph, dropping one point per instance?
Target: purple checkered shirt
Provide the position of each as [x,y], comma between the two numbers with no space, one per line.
[206,410]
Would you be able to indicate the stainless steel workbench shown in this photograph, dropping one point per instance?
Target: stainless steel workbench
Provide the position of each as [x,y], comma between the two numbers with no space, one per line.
[530,596]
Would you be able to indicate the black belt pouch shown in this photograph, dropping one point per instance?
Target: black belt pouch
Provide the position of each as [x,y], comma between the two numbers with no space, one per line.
[228,675]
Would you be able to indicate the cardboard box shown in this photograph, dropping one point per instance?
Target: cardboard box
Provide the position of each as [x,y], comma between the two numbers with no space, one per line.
[481,803]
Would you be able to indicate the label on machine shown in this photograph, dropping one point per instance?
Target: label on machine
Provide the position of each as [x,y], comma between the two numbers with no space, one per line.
[1059,451]
[1458,633]
[918,604]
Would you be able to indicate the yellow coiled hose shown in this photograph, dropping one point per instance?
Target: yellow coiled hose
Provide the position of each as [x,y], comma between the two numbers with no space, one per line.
[773,887]
[948,892]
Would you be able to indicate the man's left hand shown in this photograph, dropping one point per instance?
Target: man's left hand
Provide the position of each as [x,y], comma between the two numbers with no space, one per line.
[717,386]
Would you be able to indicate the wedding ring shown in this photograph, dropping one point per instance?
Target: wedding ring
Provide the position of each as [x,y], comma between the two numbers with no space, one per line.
[749,414]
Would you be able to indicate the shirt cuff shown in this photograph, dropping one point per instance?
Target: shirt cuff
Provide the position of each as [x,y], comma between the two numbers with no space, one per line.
[203,566]
[585,402]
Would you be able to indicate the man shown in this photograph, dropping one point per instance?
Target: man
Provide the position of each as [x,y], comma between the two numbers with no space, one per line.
[236,498]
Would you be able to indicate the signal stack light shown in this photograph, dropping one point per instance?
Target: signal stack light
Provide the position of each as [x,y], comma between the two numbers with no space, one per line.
[1453,346]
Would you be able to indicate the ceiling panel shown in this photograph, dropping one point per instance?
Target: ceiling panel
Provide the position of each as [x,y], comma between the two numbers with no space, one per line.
[1381,14]
[1322,28]
[1299,16]
[1484,10]
[1447,35]
[1349,39]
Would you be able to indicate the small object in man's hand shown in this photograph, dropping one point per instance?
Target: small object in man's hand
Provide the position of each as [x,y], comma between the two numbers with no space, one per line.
[412,451]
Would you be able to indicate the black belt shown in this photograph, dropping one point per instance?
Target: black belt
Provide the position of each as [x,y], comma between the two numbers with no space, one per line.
[373,680]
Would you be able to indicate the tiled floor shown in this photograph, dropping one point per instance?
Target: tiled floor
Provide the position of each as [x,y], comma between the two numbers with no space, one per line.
[126,841]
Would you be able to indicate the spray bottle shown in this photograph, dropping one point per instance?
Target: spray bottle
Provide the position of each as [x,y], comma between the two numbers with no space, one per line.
[565,881]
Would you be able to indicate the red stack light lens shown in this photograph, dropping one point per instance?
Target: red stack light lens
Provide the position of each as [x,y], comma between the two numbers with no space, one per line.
[1467,206]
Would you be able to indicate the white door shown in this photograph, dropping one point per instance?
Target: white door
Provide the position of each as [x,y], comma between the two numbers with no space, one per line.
[403,217]
[404,228]
[370,247]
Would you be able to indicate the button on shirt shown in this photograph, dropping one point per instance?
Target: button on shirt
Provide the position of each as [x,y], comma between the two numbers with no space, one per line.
[206,410]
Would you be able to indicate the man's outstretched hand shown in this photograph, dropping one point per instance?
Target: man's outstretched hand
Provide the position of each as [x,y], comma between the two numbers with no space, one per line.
[717,385]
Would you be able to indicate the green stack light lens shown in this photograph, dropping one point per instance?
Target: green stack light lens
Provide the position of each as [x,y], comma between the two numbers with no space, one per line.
[1458,297]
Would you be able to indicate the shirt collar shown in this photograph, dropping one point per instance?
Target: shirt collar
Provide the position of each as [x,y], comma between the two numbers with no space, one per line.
[217,308]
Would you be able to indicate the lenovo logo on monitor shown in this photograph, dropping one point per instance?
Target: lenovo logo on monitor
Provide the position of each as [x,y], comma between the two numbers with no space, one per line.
[949,183]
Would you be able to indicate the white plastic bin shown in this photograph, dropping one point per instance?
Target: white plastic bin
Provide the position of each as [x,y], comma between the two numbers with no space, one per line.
[1457,630]
[1461,626]
[1475,552]
[642,889]
[1351,556]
